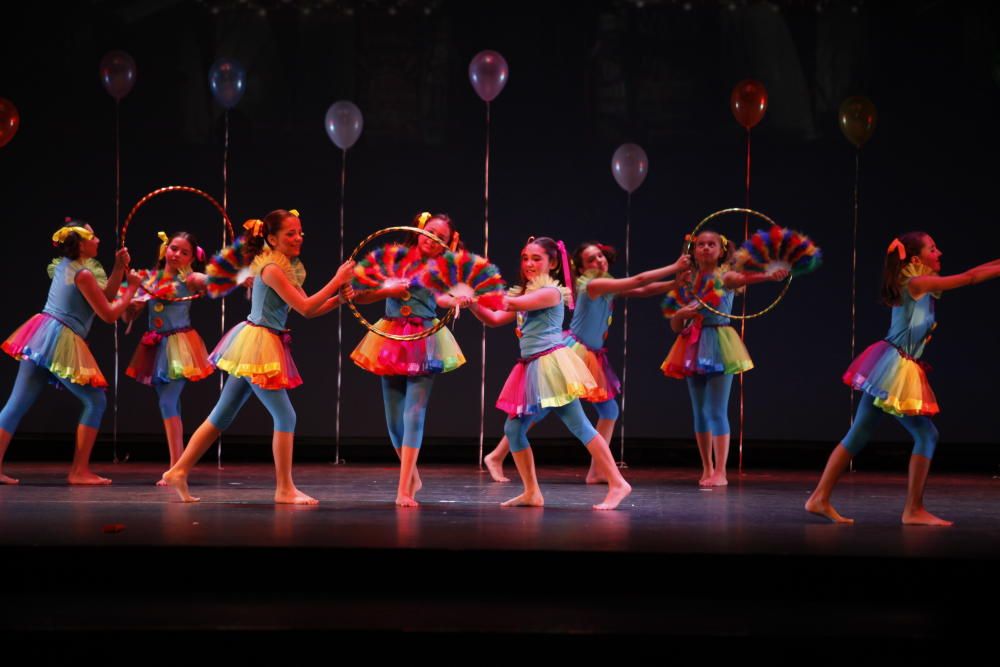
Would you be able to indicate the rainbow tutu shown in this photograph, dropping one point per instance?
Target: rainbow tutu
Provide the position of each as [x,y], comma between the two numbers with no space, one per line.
[439,353]
[49,343]
[260,354]
[548,380]
[596,361]
[173,355]
[707,350]
[897,382]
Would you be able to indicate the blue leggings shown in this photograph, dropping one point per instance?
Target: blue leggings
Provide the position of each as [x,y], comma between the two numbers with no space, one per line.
[607,409]
[516,428]
[710,402]
[31,380]
[236,392]
[405,399]
[169,395]
[920,427]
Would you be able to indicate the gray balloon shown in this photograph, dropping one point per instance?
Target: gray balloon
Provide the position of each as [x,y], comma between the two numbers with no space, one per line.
[228,81]
[629,166]
[344,123]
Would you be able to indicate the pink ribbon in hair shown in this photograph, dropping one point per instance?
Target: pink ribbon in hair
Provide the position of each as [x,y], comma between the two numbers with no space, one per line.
[567,276]
[200,252]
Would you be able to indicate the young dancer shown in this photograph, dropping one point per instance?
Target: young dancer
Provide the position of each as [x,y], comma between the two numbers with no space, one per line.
[595,293]
[892,376]
[51,345]
[708,351]
[257,352]
[171,352]
[549,376]
[407,368]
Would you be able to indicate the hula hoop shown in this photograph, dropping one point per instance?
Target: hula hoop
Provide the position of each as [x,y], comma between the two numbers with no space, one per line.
[689,242]
[368,325]
[156,193]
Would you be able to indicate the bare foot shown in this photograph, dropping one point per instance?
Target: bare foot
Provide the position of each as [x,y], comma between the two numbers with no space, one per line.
[87,478]
[525,500]
[417,483]
[162,482]
[824,508]
[495,468]
[178,480]
[922,517]
[706,475]
[293,497]
[7,479]
[616,494]
[594,477]
[406,501]
[717,479]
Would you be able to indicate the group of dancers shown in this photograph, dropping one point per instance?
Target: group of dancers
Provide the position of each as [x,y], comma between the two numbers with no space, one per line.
[557,368]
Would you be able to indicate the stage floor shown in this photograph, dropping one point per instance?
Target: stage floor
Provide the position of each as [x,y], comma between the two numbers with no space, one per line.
[760,512]
[128,563]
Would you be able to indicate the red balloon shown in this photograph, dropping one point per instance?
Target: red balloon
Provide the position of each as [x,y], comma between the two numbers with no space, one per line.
[748,102]
[10,119]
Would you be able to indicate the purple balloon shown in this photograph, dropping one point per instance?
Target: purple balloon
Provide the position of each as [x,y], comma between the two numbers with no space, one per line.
[228,81]
[488,74]
[344,123]
[629,166]
[117,71]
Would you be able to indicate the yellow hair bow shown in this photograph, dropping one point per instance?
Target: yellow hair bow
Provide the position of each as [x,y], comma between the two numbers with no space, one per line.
[897,245]
[423,218]
[255,227]
[725,242]
[164,242]
[295,212]
[62,233]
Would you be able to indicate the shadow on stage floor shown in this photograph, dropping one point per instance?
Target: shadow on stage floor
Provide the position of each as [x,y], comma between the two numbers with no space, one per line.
[676,563]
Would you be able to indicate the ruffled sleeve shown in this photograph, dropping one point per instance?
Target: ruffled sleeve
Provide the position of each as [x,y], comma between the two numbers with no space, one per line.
[540,282]
[294,270]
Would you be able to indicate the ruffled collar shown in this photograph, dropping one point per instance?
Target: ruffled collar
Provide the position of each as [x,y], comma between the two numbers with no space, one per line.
[77,265]
[294,269]
[913,270]
[158,286]
[539,282]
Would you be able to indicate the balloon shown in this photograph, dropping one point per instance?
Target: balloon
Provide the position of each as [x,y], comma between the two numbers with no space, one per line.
[488,74]
[857,120]
[344,123]
[748,102]
[10,119]
[629,166]
[228,81]
[117,70]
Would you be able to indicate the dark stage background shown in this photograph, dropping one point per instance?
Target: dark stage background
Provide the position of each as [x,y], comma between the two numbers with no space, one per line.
[584,79]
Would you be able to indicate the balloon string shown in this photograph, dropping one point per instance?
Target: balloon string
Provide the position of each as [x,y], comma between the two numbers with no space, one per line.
[340,311]
[746,290]
[225,207]
[628,265]
[486,252]
[854,272]
[118,197]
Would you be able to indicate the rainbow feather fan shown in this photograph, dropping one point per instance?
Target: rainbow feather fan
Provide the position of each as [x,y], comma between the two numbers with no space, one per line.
[462,273]
[778,248]
[390,263]
[708,287]
[227,269]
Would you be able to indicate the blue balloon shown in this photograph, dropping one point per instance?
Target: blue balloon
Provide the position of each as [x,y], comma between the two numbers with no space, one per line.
[343,123]
[228,81]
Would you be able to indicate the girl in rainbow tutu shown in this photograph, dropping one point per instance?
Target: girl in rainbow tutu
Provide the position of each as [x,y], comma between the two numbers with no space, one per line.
[596,290]
[708,352]
[549,376]
[407,368]
[51,345]
[257,352]
[891,375]
[171,353]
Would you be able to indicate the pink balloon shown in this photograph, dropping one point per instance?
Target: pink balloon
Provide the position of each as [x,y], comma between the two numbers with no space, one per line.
[629,166]
[488,74]
[117,70]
